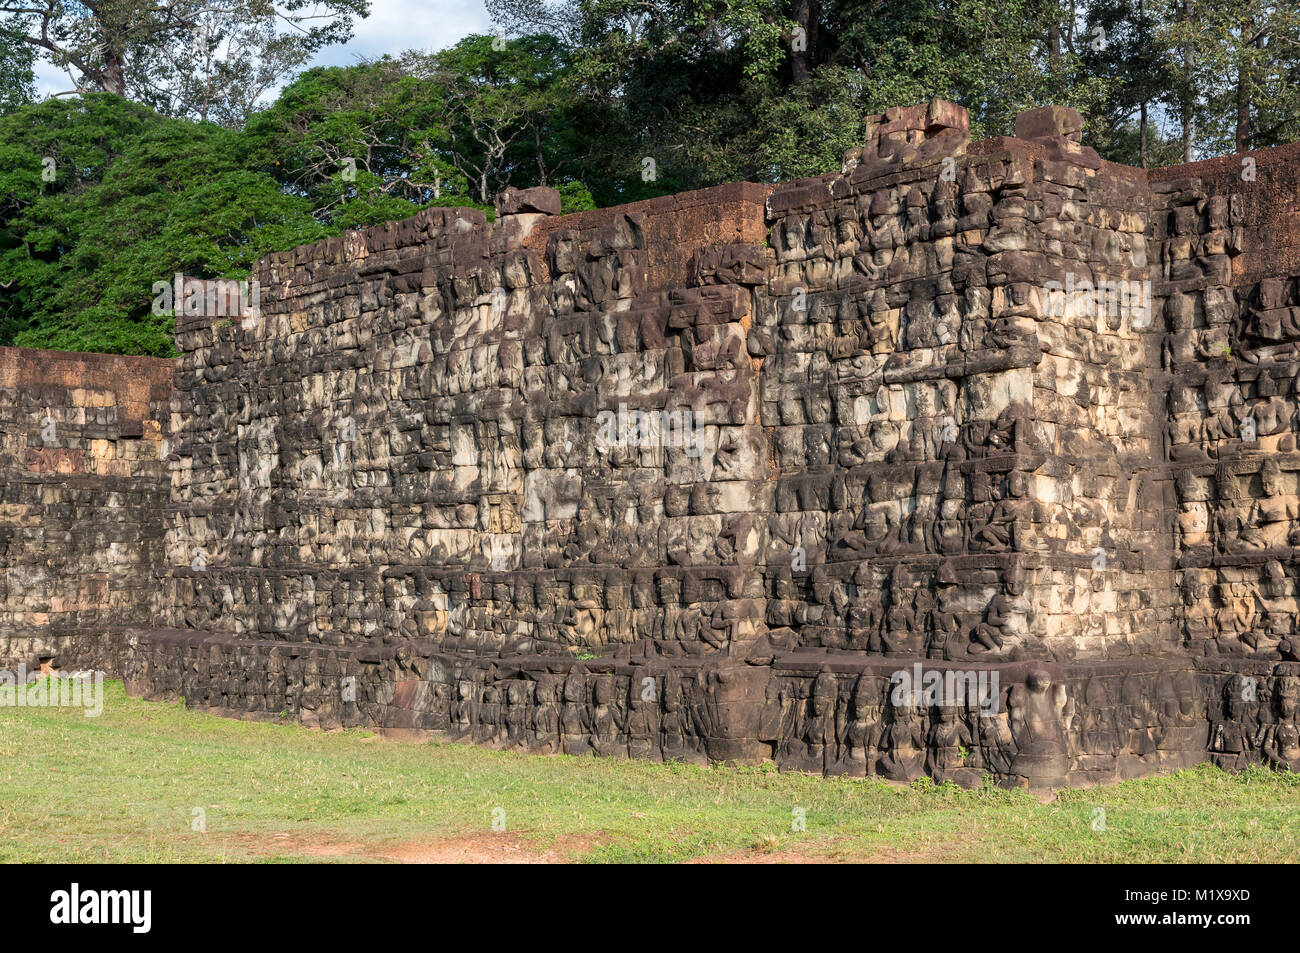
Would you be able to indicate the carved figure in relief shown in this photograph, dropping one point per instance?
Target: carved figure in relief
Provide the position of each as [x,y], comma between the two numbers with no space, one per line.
[464,708]
[1039,712]
[515,717]
[902,632]
[574,731]
[488,723]
[643,716]
[1229,738]
[1269,517]
[861,735]
[545,721]
[1014,511]
[819,726]
[1006,623]
[606,719]
[1280,742]
[676,726]
[949,738]
[903,756]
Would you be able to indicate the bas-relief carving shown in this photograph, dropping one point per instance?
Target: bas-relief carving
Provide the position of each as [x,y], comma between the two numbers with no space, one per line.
[902,452]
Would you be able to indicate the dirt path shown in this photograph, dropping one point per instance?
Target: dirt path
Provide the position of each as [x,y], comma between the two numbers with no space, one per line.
[486,848]
[462,849]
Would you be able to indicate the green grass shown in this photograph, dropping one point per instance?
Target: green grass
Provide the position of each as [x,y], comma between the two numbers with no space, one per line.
[123,787]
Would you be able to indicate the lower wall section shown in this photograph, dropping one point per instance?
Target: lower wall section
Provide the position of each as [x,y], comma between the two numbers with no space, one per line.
[102,648]
[83,484]
[1022,724]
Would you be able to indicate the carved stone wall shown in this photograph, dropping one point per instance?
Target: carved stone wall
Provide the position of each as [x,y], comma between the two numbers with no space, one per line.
[82,477]
[968,459]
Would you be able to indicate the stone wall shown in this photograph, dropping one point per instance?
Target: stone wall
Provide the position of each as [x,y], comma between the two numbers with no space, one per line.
[1230,266]
[721,475]
[82,448]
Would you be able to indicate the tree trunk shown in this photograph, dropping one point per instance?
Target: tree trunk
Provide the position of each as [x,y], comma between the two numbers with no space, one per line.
[1243,91]
[541,162]
[1142,136]
[801,60]
[1142,120]
[1189,95]
[1243,111]
[113,75]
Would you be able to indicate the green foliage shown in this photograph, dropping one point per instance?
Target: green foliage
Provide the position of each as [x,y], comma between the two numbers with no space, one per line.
[135,199]
[720,89]
[511,110]
[1247,57]
[608,101]
[574,197]
[380,140]
[361,143]
[211,62]
[17,81]
[715,92]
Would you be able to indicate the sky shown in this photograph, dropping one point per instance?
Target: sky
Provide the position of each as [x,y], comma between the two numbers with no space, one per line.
[393,26]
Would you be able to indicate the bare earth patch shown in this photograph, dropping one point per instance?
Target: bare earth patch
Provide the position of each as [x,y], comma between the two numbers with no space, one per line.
[462,849]
[489,848]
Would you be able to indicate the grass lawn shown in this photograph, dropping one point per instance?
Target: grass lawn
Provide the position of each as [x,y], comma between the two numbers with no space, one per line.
[154,782]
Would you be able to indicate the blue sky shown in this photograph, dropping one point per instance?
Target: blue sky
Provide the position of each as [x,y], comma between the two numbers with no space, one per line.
[393,26]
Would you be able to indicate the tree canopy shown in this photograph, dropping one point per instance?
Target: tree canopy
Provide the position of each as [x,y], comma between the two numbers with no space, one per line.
[100,198]
[197,58]
[169,156]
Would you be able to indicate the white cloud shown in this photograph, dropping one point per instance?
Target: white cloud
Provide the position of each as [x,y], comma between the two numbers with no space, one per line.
[397,25]
[50,80]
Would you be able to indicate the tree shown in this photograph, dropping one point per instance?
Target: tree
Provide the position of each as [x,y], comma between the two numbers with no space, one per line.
[995,57]
[100,198]
[504,104]
[363,144]
[380,140]
[1121,41]
[713,90]
[1252,62]
[17,81]
[191,58]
